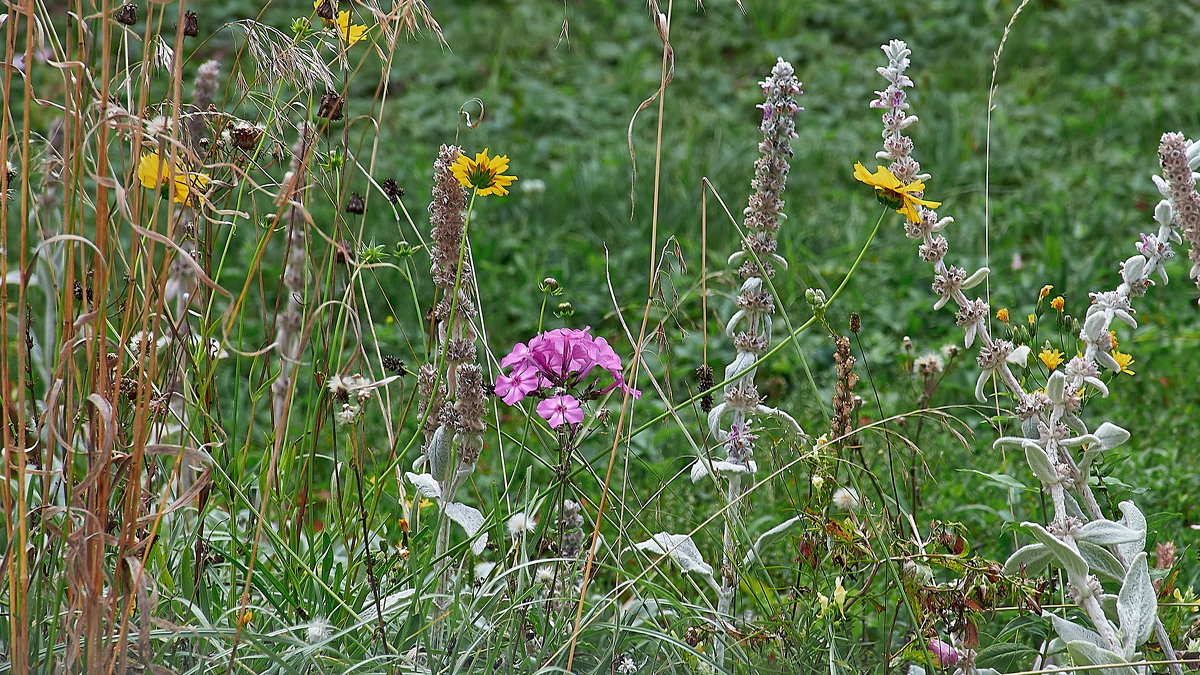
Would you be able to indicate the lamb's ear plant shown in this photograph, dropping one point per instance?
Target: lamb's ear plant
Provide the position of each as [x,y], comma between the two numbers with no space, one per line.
[732,422]
[451,389]
[1058,445]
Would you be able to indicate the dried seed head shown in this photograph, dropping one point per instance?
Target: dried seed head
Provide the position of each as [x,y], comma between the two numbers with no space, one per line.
[327,10]
[392,190]
[704,375]
[127,14]
[245,136]
[394,365]
[331,106]
[356,204]
[191,24]
[855,323]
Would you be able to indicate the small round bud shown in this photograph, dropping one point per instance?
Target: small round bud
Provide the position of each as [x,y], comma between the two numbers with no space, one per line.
[550,285]
[565,309]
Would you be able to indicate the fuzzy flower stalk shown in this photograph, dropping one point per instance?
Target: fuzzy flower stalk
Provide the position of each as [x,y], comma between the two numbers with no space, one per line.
[452,397]
[289,322]
[1058,444]
[732,421]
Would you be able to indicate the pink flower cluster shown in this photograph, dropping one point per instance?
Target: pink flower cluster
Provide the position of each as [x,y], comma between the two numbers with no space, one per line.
[555,363]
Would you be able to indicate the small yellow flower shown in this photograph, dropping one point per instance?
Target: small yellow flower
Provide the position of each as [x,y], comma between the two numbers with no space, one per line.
[1032,319]
[153,171]
[1051,357]
[483,174]
[1123,360]
[1058,303]
[1044,292]
[839,597]
[894,193]
[1002,314]
[351,33]
[1113,335]
[245,617]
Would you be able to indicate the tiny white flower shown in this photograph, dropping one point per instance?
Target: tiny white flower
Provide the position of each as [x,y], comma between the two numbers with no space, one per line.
[483,570]
[817,481]
[318,630]
[626,665]
[929,364]
[348,414]
[847,499]
[520,523]
[544,574]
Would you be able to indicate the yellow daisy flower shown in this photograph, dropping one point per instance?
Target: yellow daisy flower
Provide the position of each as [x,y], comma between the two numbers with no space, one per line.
[1123,360]
[1058,303]
[1002,314]
[894,193]
[1053,358]
[153,172]
[483,174]
[351,33]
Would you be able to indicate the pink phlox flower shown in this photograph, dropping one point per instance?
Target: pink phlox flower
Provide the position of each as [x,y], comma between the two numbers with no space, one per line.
[946,654]
[513,388]
[563,357]
[560,410]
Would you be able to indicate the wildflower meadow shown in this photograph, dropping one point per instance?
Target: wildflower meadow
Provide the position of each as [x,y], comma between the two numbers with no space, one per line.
[724,337]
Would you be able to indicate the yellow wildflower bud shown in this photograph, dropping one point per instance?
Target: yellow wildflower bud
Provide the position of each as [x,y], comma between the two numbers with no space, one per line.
[1002,314]
[245,617]
[1044,292]
[1058,303]
[1032,319]
[1113,334]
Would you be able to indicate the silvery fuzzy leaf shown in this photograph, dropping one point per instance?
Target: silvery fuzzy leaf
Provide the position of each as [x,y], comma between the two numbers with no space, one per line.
[680,548]
[1075,441]
[1010,441]
[741,366]
[1136,604]
[714,419]
[439,452]
[703,467]
[471,520]
[916,670]
[731,325]
[1072,508]
[787,420]
[426,485]
[1126,317]
[1134,267]
[1105,359]
[984,376]
[1161,184]
[1069,631]
[1101,561]
[1108,603]
[1056,387]
[975,279]
[1034,557]
[1095,324]
[969,334]
[1019,356]
[766,538]
[1111,435]
[1040,464]
[1163,214]
[1135,521]
[1069,558]
[1088,654]
[1106,533]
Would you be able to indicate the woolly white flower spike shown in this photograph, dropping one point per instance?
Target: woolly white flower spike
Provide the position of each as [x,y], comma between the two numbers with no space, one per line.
[1085,371]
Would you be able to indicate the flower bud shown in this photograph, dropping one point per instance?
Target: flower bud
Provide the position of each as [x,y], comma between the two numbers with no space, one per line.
[565,309]
[550,286]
